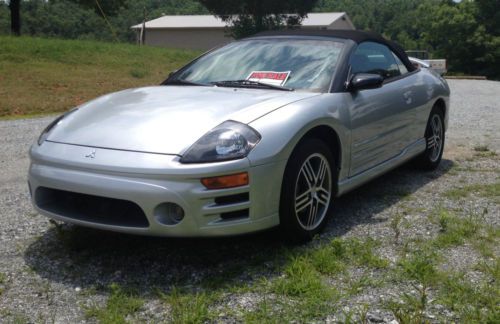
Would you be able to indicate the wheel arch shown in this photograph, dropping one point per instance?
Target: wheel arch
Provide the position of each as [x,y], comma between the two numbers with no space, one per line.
[329,136]
[441,105]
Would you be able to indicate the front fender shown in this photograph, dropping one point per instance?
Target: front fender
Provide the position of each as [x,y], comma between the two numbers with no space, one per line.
[283,128]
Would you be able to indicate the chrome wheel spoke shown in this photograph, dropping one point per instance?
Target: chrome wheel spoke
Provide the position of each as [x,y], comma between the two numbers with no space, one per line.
[320,177]
[431,142]
[303,201]
[309,174]
[313,211]
[323,198]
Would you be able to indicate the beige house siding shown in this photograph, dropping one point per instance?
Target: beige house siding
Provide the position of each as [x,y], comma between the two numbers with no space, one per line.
[187,38]
[203,32]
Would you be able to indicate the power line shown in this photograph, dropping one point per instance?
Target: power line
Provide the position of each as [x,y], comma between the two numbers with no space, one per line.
[106,19]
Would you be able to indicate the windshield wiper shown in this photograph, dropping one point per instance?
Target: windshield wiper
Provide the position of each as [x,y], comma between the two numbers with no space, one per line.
[185,82]
[249,84]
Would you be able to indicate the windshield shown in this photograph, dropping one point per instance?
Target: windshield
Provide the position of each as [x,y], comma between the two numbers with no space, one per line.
[300,64]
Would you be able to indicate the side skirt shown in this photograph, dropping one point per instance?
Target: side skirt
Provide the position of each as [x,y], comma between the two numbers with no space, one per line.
[409,152]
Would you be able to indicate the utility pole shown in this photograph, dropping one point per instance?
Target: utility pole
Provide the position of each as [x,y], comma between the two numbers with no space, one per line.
[142,39]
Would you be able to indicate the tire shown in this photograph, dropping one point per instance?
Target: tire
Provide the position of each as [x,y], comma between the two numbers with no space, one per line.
[308,188]
[434,137]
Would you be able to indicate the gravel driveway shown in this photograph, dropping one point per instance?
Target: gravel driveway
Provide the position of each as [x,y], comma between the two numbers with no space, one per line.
[54,273]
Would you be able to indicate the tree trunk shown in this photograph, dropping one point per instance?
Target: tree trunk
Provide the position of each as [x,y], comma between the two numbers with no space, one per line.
[15,17]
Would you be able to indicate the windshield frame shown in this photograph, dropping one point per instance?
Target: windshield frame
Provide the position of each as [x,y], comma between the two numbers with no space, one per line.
[332,87]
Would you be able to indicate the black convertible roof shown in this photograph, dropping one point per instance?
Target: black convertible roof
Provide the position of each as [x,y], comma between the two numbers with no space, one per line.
[357,36]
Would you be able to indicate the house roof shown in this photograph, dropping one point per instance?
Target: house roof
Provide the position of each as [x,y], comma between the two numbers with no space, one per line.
[208,21]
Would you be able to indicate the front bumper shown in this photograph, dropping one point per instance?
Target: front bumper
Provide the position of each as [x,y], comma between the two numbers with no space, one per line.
[149,180]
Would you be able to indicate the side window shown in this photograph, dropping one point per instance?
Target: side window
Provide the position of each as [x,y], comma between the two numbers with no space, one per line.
[402,67]
[374,58]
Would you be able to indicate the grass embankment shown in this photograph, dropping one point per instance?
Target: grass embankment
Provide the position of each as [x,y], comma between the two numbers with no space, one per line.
[40,76]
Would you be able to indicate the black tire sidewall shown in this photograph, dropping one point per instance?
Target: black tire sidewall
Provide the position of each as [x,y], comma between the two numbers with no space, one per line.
[289,224]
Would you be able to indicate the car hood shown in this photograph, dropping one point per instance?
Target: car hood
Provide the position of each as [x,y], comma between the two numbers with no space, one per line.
[164,119]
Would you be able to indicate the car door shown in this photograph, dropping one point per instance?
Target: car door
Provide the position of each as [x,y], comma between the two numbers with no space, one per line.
[381,117]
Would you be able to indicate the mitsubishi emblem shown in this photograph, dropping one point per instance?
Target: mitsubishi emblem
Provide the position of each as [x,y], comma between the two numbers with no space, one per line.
[91,155]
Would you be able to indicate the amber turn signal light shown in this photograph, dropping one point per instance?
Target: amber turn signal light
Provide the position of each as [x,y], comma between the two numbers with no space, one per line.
[227,181]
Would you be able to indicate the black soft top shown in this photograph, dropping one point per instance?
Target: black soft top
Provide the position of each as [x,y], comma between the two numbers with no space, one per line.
[357,36]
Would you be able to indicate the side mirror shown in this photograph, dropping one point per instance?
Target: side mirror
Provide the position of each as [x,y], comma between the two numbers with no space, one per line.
[363,81]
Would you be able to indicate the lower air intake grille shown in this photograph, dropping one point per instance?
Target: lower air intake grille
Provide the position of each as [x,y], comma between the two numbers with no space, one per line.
[90,208]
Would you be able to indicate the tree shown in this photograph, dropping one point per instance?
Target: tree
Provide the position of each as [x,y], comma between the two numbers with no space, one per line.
[247,17]
[15,17]
[459,34]
[108,7]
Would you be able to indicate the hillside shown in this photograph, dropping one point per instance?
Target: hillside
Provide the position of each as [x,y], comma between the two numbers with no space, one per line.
[40,76]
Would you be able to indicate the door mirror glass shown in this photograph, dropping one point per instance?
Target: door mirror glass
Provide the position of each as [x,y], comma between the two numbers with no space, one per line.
[363,81]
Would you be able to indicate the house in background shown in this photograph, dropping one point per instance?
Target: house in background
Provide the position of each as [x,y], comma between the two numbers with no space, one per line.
[203,32]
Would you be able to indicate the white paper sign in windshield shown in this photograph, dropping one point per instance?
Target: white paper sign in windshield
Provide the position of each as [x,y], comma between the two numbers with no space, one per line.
[269,77]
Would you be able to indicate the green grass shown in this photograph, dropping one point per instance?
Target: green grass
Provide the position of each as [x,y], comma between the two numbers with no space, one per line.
[40,76]
[455,230]
[302,292]
[121,303]
[419,268]
[481,148]
[473,303]
[188,307]
[484,151]
[491,191]
[3,279]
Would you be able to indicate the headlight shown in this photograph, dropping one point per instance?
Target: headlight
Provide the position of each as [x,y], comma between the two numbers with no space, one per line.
[228,141]
[45,133]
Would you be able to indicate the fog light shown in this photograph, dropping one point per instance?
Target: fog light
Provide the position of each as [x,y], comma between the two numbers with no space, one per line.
[169,214]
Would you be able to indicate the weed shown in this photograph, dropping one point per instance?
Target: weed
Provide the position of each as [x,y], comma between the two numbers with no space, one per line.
[455,230]
[481,148]
[300,278]
[326,261]
[267,311]
[420,269]
[305,292]
[488,154]
[396,226]
[9,316]
[119,305]
[404,312]
[457,193]
[476,303]
[189,307]
[356,286]
[362,253]
[138,73]
[491,191]
[492,269]
[3,279]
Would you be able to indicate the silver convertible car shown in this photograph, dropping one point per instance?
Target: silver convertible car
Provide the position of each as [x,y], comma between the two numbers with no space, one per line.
[263,132]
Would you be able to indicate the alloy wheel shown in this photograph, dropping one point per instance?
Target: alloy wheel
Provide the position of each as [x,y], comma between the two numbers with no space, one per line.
[435,138]
[313,191]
